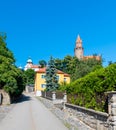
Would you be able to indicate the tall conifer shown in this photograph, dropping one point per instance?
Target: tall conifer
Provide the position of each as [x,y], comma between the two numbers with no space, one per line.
[51,77]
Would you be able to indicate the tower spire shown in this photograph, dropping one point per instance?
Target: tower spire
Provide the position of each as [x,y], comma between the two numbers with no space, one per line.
[79,48]
[78,39]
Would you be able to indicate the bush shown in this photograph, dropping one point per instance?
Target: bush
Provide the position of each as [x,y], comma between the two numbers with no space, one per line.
[89,91]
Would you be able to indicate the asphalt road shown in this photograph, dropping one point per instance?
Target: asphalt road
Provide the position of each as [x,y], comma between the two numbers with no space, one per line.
[31,114]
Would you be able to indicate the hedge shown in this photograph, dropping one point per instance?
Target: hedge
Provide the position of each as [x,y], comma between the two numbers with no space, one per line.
[89,91]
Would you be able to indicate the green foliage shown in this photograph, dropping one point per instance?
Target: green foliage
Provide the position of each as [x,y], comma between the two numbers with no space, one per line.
[51,77]
[77,68]
[42,63]
[11,78]
[30,76]
[89,91]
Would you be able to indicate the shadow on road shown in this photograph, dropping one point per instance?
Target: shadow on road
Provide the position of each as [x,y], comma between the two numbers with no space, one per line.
[23,98]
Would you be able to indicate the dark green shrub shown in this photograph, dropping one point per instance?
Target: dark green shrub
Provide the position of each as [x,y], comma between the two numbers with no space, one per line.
[89,91]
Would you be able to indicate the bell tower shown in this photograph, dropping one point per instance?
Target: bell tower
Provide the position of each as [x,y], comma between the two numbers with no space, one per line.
[78,48]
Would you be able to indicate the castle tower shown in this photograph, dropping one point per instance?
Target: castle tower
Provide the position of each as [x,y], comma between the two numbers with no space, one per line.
[78,48]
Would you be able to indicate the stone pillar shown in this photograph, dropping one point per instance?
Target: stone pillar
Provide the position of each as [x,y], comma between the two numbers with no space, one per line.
[45,94]
[27,89]
[64,100]
[53,96]
[112,109]
[0,98]
[65,97]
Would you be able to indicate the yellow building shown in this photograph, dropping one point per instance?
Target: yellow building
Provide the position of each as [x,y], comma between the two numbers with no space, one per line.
[40,83]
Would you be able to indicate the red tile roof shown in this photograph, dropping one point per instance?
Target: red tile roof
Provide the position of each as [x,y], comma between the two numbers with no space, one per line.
[43,70]
[92,57]
[66,75]
[60,72]
[34,66]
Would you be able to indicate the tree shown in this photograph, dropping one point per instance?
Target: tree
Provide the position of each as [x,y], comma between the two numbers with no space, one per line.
[77,68]
[89,91]
[30,76]
[11,78]
[59,64]
[67,64]
[86,66]
[51,77]
[42,63]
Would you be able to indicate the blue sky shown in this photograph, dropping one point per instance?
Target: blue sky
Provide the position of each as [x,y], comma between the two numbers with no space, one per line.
[41,28]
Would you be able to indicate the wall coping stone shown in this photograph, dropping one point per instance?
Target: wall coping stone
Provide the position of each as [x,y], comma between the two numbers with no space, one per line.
[69,120]
[110,92]
[88,110]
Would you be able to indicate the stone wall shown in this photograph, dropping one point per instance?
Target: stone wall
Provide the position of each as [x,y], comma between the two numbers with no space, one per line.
[5,97]
[112,109]
[68,119]
[29,89]
[94,119]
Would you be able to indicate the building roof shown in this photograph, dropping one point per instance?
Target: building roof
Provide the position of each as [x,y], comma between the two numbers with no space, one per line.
[92,57]
[43,70]
[29,60]
[60,72]
[78,39]
[66,75]
[35,66]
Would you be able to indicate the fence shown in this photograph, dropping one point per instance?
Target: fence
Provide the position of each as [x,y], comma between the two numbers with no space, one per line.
[56,97]
[96,120]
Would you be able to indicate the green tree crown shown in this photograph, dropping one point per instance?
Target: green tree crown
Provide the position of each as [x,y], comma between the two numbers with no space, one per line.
[51,76]
[11,78]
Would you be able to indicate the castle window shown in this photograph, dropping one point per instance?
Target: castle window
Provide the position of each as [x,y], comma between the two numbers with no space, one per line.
[79,48]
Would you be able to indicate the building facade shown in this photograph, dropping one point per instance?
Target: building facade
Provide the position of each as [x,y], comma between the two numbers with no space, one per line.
[40,82]
[30,65]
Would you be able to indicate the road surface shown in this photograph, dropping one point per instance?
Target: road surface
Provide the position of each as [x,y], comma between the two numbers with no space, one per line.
[31,114]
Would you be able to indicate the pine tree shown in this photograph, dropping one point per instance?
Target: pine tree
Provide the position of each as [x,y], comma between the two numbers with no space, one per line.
[51,77]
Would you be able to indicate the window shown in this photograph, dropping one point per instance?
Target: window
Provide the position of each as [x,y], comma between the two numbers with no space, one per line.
[42,76]
[57,77]
[64,79]
[43,85]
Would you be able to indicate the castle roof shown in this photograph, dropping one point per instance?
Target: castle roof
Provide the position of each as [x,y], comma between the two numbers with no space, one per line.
[92,57]
[78,39]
